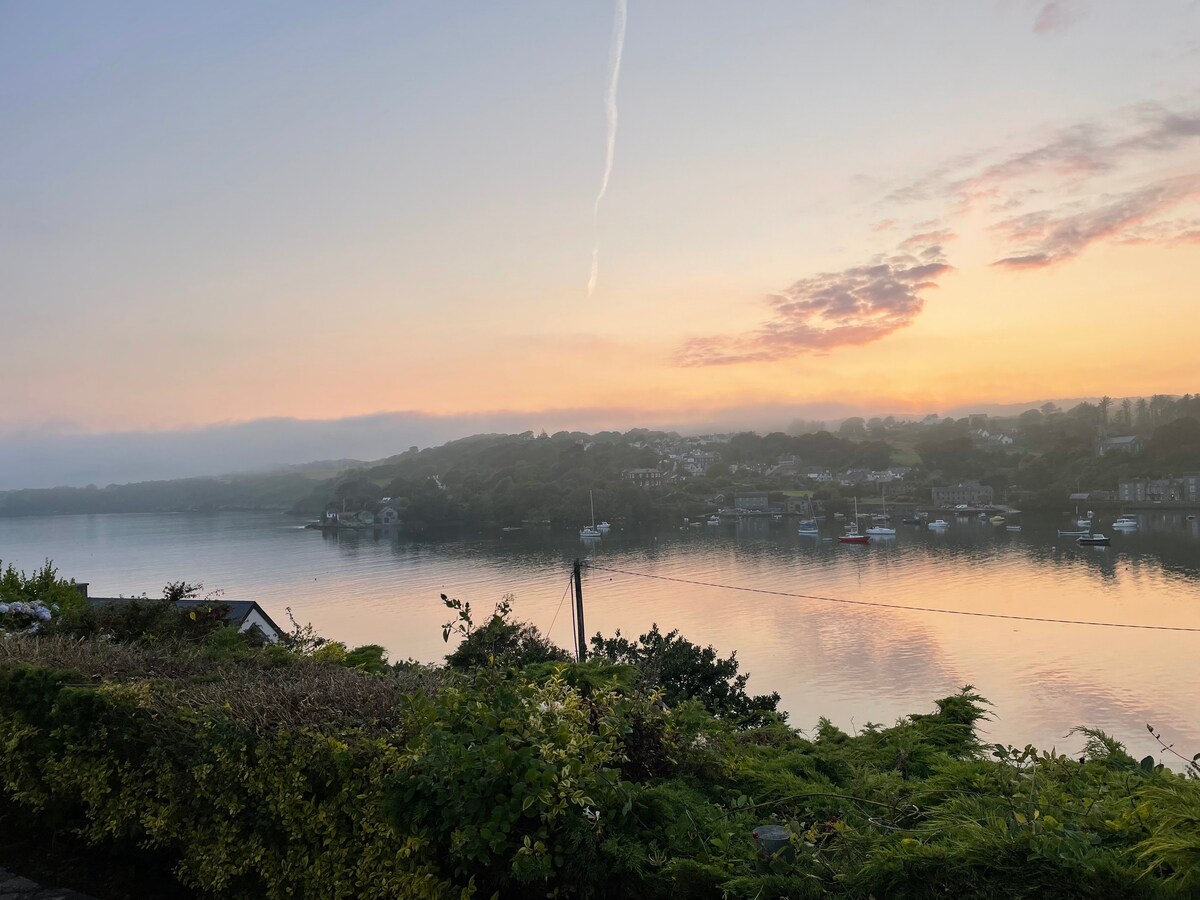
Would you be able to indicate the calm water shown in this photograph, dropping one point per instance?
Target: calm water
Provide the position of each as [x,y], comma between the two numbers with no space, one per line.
[854,664]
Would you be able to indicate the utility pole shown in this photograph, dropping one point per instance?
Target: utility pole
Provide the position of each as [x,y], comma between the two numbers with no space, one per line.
[581,637]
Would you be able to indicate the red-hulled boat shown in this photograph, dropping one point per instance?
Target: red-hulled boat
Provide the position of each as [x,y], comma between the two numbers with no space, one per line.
[852,536]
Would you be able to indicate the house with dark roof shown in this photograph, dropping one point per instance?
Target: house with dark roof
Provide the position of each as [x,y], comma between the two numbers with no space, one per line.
[246,615]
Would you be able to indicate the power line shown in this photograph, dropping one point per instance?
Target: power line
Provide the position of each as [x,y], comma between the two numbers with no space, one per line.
[559,609]
[876,603]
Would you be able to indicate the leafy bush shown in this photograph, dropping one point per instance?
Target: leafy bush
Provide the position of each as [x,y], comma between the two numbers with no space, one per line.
[240,811]
[43,586]
[308,769]
[687,671]
[519,784]
[498,642]
[28,603]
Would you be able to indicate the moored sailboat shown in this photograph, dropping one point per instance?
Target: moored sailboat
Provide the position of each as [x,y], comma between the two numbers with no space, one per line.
[879,530]
[852,536]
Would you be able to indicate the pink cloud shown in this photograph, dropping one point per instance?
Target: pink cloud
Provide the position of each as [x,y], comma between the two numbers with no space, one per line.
[1052,238]
[926,238]
[834,309]
[1069,157]
[1054,16]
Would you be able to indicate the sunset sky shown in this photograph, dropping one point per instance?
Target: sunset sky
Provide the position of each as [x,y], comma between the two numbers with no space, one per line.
[225,211]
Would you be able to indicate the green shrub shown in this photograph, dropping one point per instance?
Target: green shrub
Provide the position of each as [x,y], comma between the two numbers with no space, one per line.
[520,789]
[369,657]
[499,641]
[242,813]
[687,671]
[267,772]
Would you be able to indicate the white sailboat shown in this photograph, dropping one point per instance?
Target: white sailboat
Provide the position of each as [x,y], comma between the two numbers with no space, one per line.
[881,530]
[591,531]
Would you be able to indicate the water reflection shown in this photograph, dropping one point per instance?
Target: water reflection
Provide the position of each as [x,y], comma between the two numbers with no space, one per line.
[848,662]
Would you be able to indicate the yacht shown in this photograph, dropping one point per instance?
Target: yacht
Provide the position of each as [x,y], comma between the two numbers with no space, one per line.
[881,530]
[593,530]
[852,536]
[809,525]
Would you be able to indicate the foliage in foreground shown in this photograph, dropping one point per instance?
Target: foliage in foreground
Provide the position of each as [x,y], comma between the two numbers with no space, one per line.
[498,784]
[312,770]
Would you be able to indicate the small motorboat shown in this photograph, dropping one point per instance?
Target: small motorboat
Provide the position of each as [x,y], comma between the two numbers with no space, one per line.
[603,527]
[1092,540]
[1125,522]
[1084,523]
[881,531]
[997,520]
[714,520]
[808,529]
[1062,533]
[1012,527]
[939,524]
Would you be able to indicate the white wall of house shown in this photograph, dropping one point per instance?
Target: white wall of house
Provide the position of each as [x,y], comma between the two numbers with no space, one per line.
[255,618]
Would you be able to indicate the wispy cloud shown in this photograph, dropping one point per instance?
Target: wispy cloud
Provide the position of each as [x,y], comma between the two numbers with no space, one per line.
[1171,231]
[1050,238]
[924,239]
[835,309]
[1068,157]
[1055,16]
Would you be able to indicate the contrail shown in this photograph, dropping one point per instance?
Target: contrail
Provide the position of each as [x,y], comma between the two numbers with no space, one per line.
[610,108]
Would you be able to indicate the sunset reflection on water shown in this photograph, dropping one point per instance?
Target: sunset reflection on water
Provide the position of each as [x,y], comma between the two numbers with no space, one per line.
[854,664]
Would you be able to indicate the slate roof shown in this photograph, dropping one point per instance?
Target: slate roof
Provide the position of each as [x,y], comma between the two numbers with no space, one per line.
[237,613]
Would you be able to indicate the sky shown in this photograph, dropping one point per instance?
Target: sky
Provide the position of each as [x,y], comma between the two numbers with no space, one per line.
[214,214]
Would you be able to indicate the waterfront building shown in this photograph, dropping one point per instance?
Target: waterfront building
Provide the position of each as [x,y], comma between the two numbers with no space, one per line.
[971,493]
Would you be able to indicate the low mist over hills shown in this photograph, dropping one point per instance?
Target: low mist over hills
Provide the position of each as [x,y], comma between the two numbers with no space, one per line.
[508,477]
[51,457]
